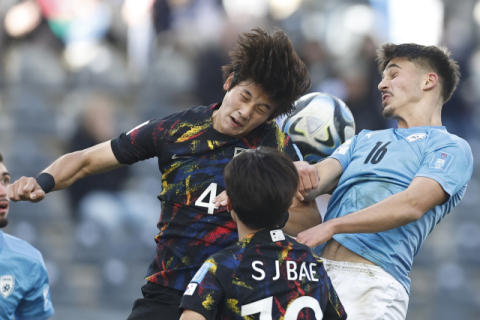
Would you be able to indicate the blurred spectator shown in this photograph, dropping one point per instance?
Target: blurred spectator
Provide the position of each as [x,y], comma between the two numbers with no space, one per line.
[97,124]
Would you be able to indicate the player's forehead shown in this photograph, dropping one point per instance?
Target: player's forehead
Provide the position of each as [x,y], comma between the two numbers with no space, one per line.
[398,64]
[254,90]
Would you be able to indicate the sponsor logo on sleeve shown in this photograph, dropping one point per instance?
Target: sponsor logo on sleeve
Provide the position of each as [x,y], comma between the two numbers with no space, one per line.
[441,161]
[344,147]
[202,272]
[190,289]
[7,283]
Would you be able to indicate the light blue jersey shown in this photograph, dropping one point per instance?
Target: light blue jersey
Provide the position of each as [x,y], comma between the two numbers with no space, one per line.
[24,291]
[378,164]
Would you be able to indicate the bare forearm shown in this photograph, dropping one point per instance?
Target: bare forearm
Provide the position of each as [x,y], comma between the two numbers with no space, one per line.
[329,171]
[76,165]
[302,217]
[393,212]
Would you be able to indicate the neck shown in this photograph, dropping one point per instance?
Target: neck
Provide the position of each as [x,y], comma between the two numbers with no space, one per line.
[243,230]
[420,116]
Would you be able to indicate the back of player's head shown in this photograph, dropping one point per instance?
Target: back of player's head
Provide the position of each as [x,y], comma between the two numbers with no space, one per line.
[261,184]
[270,62]
[429,58]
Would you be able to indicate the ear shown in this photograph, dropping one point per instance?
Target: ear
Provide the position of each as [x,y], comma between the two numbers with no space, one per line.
[229,205]
[228,83]
[430,81]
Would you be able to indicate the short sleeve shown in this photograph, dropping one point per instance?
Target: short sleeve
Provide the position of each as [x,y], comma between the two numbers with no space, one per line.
[344,153]
[204,293]
[450,164]
[36,303]
[137,144]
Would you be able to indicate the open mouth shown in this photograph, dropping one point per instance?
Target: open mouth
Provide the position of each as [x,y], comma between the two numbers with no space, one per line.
[235,122]
[3,205]
[384,98]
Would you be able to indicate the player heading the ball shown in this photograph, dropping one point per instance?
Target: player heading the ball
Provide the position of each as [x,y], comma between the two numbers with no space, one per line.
[266,274]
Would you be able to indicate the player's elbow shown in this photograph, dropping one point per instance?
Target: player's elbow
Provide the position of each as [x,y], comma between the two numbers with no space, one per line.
[415,207]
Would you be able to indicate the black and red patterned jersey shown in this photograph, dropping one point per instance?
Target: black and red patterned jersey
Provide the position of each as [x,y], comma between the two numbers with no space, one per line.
[267,275]
[191,157]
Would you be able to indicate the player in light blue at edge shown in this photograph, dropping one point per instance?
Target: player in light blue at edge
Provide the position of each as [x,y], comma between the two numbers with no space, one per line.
[24,291]
[390,187]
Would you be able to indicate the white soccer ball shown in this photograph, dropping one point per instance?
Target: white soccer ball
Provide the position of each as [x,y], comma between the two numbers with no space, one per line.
[319,125]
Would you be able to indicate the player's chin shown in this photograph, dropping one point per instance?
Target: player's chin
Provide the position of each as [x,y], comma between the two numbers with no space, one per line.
[388,112]
[3,222]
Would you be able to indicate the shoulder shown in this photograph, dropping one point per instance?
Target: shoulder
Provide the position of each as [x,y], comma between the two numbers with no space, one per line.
[442,138]
[22,248]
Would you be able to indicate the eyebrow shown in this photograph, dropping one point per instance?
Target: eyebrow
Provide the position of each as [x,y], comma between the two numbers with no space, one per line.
[393,65]
[5,174]
[251,95]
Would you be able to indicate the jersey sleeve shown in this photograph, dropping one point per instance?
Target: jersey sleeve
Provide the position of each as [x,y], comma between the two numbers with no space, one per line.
[137,144]
[204,293]
[36,303]
[344,153]
[449,163]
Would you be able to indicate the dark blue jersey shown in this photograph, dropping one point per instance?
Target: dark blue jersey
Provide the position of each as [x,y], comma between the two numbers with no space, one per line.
[191,157]
[267,275]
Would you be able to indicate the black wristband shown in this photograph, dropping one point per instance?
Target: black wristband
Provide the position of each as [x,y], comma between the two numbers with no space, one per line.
[46,181]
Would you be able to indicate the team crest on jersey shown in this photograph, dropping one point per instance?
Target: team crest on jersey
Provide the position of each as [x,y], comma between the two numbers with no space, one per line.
[7,283]
[441,161]
[416,136]
[238,151]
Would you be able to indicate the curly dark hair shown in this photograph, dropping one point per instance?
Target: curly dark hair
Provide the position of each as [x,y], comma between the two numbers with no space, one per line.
[270,62]
[430,58]
[260,184]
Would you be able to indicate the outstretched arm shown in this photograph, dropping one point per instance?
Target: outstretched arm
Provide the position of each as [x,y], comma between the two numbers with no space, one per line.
[302,216]
[395,211]
[66,170]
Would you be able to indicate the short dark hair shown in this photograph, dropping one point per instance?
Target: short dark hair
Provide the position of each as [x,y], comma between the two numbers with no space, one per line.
[270,62]
[431,58]
[1,158]
[261,184]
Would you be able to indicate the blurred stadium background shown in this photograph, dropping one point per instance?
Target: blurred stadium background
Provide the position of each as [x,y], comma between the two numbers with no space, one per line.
[77,72]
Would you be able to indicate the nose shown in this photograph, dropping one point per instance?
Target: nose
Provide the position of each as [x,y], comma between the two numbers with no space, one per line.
[246,111]
[3,190]
[383,85]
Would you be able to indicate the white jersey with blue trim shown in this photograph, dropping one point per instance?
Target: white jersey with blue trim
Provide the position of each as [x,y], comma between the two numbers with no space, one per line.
[378,164]
[24,290]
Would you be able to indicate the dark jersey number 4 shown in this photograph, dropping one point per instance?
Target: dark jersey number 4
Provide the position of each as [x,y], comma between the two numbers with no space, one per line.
[377,153]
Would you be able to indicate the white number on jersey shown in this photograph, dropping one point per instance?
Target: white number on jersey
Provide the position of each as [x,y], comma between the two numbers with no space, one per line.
[212,189]
[264,307]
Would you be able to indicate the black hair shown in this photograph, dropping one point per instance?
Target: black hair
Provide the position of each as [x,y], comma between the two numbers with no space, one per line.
[271,63]
[430,58]
[261,184]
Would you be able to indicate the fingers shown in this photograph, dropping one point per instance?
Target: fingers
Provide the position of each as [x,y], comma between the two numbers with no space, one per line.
[26,189]
[308,179]
[221,199]
[314,236]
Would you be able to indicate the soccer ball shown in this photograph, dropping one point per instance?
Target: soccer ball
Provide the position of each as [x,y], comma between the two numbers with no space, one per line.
[319,125]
